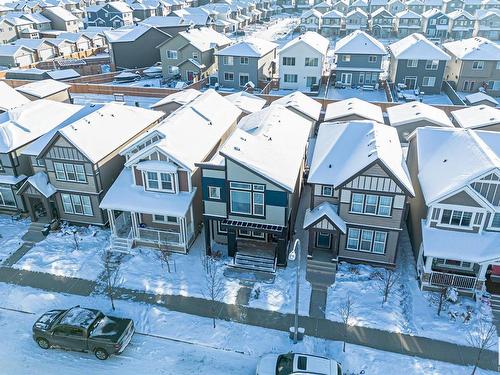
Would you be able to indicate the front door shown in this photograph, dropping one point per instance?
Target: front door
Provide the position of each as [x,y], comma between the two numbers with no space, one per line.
[346,78]
[411,83]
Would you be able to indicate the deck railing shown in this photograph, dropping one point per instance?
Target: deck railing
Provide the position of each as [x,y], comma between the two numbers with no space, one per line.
[449,279]
[160,236]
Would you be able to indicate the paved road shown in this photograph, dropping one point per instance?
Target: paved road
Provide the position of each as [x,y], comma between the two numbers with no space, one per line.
[318,327]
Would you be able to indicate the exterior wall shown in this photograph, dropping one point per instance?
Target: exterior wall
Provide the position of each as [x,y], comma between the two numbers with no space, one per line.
[460,71]
[300,51]
[357,61]
[7,33]
[237,68]
[400,70]
[405,130]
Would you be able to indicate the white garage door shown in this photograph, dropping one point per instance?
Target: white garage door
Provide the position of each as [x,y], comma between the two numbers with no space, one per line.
[46,54]
[83,46]
[24,60]
[66,50]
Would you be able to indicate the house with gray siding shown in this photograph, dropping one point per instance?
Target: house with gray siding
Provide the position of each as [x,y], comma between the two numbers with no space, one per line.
[251,188]
[359,188]
[416,62]
[396,6]
[475,63]
[407,22]
[452,5]
[461,24]
[356,19]
[487,24]
[156,200]
[332,23]
[478,117]
[61,19]
[16,55]
[25,124]
[80,160]
[113,14]
[191,53]
[416,6]
[381,23]
[454,220]
[435,24]
[251,60]
[358,59]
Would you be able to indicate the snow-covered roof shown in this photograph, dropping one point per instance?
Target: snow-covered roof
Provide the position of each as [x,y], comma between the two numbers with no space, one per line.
[10,98]
[11,50]
[107,129]
[272,143]
[359,42]
[353,106]
[477,116]
[247,102]
[449,158]
[26,123]
[479,97]
[416,111]
[123,195]
[252,47]
[10,179]
[161,21]
[301,103]
[355,12]
[311,38]
[474,49]
[62,74]
[31,43]
[324,210]
[344,149]
[417,47]
[205,38]
[40,182]
[190,133]
[120,6]
[407,14]
[61,13]
[43,88]
[380,11]
[311,12]
[127,33]
[458,13]
[461,245]
[432,12]
[181,97]
[333,14]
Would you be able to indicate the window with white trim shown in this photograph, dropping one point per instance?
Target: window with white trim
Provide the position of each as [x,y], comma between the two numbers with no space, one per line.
[327,191]
[7,197]
[247,199]
[311,61]
[172,54]
[456,218]
[228,76]
[159,181]
[290,78]
[428,81]
[451,263]
[495,221]
[346,58]
[214,192]
[288,61]
[77,204]
[244,60]
[477,65]
[366,240]
[69,172]
[371,204]
[411,63]
[431,64]
[228,60]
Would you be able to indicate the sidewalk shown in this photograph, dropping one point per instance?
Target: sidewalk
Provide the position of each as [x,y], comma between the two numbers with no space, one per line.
[317,327]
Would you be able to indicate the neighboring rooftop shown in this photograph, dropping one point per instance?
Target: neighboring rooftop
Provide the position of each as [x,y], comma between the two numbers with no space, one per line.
[416,111]
[302,103]
[247,102]
[353,107]
[10,98]
[417,47]
[311,38]
[359,42]
[251,47]
[181,97]
[474,49]
[42,89]
[477,116]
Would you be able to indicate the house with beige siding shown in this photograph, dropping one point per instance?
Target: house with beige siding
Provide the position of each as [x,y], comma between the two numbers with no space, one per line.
[479,117]
[359,188]
[157,199]
[46,89]
[454,220]
[251,188]
[22,125]
[475,63]
[76,164]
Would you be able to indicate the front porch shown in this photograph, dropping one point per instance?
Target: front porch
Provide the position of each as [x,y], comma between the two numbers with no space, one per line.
[129,229]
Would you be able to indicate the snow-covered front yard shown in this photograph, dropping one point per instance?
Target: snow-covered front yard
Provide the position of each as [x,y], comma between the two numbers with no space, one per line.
[58,253]
[228,349]
[11,232]
[408,309]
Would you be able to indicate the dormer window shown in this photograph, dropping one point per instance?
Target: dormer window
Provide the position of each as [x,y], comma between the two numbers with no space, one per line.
[160,181]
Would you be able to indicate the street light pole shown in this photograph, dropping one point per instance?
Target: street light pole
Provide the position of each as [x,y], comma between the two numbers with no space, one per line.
[295,253]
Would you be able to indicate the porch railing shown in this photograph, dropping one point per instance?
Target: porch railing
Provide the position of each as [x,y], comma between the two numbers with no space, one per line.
[160,236]
[449,279]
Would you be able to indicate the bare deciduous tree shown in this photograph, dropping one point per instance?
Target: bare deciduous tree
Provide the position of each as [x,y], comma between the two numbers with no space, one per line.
[442,298]
[111,273]
[387,281]
[76,240]
[214,284]
[481,337]
[165,258]
[346,310]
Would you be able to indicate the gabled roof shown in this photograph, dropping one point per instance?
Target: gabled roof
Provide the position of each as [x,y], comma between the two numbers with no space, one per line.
[181,97]
[301,103]
[460,12]
[312,39]
[432,12]
[12,50]
[379,11]
[324,210]
[36,18]
[417,47]
[353,106]
[247,102]
[345,149]
[359,42]
[129,33]
[31,43]
[251,47]
[190,133]
[404,14]
[43,88]
[31,120]
[416,111]
[450,158]
[272,143]
[333,14]
[356,11]
[205,38]
[10,98]
[161,21]
[61,13]
[120,6]
[474,49]
[108,128]
[40,182]
[476,116]
[311,12]
[479,97]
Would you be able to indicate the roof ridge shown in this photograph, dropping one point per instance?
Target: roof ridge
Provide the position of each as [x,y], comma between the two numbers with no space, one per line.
[485,148]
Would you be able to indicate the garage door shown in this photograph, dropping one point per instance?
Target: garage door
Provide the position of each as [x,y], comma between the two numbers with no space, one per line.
[83,46]
[66,50]
[46,54]
[24,60]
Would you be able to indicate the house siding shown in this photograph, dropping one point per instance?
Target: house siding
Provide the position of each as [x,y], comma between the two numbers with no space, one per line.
[400,70]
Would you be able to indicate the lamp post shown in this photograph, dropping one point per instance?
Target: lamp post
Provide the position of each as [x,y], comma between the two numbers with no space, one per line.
[295,253]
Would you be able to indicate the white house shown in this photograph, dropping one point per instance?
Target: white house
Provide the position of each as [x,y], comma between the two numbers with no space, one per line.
[302,62]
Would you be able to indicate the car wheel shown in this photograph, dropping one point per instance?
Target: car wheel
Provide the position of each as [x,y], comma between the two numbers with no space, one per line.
[42,343]
[101,354]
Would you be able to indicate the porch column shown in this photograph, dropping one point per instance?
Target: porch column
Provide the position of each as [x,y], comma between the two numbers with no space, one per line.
[112,224]
[46,204]
[231,242]
[428,264]
[133,217]
[481,275]
[281,252]
[208,239]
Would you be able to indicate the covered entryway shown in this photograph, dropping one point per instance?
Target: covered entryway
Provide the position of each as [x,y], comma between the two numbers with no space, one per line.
[411,83]
[38,194]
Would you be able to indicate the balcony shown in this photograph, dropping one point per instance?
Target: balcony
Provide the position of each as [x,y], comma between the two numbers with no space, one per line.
[443,279]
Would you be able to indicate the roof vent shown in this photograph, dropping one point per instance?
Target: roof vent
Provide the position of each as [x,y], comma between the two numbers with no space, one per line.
[414,106]
[417,113]
[445,160]
[492,119]
[243,139]
[329,165]
[237,148]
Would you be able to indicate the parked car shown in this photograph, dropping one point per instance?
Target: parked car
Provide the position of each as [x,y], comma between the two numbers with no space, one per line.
[296,363]
[85,330]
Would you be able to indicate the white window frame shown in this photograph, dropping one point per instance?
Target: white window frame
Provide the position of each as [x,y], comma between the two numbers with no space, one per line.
[326,187]
[164,219]
[479,65]
[426,81]
[226,76]
[214,192]
[255,190]
[346,58]
[63,170]
[359,239]
[172,54]
[364,204]
[2,199]
[159,181]
[244,60]
[288,61]
[411,63]
[69,202]
[286,78]
[308,62]
[434,65]
[228,60]
[449,225]
[490,224]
